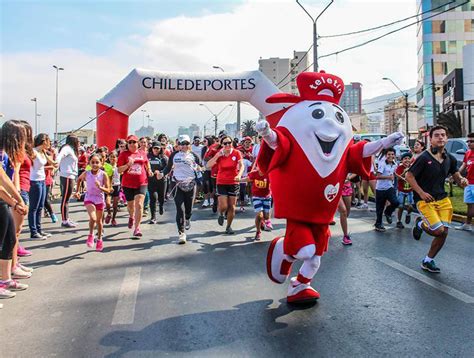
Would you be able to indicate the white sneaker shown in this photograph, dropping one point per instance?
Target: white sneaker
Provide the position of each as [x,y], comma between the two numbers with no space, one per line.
[182,238]
[18,273]
[363,206]
[464,227]
[211,201]
[205,204]
[4,293]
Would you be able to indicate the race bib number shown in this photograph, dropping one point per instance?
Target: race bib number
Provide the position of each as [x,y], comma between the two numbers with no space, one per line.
[135,169]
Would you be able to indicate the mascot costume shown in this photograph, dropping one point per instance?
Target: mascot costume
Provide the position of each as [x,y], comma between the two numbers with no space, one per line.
[308,151]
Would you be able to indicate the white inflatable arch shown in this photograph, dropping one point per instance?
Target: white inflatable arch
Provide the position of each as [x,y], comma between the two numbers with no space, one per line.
[141,86]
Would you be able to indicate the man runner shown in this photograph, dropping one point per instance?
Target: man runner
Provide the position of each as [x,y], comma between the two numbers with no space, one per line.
[427,177]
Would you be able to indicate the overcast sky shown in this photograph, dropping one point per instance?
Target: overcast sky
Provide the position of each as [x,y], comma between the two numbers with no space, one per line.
[99,43]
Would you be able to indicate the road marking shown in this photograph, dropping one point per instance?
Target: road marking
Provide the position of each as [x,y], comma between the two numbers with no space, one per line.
[125,309]
[429,281]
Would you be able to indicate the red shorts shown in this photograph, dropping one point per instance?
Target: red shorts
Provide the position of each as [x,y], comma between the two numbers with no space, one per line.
[98,207]
[370,177]
[299,234]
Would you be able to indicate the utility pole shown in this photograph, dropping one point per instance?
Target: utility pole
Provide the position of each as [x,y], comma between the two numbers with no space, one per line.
[238,120]
[406,117]
[56,122]
[433,93]
[215,125]
[315,33]
[36,114]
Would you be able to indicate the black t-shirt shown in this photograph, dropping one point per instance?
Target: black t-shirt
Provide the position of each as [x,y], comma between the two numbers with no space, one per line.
[157,163]
[430,174]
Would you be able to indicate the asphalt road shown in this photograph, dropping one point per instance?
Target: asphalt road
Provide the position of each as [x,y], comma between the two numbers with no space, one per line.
[211,297]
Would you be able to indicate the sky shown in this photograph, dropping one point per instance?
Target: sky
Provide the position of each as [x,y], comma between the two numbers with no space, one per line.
[99,42]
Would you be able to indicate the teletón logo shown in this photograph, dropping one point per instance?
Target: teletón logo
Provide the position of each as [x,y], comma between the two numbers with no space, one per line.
[180,84]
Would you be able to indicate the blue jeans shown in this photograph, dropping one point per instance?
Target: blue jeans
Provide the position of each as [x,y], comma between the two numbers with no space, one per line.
[37,197]
[381,196]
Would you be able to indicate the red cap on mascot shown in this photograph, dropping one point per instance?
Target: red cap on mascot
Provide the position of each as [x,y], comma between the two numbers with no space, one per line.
[313,86]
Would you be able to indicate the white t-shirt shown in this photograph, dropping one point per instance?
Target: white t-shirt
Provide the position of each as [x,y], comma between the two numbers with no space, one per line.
[255,150]
[386,170]
[67,160]
[247,164]
[197,149]
[37,172]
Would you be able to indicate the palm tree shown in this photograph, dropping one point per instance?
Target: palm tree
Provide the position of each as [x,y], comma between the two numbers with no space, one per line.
[248,128]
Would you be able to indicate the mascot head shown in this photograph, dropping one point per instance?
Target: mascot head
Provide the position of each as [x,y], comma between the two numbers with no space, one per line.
[317,122]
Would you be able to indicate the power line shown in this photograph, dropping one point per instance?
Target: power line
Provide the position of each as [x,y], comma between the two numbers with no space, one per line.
[391,32]
[291,80]
[302,58]
[386,25]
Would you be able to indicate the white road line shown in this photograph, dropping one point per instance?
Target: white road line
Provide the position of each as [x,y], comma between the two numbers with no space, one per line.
[429,281]
[125,309]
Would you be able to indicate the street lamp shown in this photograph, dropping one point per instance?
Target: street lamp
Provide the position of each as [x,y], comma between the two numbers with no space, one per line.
[315,33]
[56,123]
[143,117]
[215,115]
[218,68]
[36,114]
[405,94]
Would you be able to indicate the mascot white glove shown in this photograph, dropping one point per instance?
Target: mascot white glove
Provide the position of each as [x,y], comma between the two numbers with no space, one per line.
[387,142]
[263,128]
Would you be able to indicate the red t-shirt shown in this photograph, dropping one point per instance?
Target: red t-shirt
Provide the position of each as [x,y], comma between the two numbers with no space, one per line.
[82,161]
[260,184]
[469,161]
[137,174]
[24,173]
[211,152]
[228,168]
[402,185]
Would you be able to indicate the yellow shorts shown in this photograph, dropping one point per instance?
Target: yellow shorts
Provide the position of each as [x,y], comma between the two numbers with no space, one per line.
[437,213]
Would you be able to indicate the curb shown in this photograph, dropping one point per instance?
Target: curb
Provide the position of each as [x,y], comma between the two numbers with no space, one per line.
[459,218]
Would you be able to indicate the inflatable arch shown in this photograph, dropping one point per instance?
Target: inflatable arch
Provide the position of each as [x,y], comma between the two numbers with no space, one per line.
[141,86]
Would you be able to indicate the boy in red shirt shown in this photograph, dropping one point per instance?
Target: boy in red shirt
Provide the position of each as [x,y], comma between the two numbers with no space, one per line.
[468,164]
[405,191]
[261,199]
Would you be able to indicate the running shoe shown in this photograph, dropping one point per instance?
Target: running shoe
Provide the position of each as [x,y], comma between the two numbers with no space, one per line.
[130,222]
[214,206]
[4,293]
[400,225]
[99,246]
[137,232]
[242,209]
[45,234]
[13,285]
[430,267]
[332,223]
[37,237]
[346,240]
[220,220]
[22,252]
[205,204]
[187,224]
[114,222]
[67,224]
[152,221]
[380,228]
[229,231]
[388,218]
[258,236]
[407,219]
[181,238]
[73,223]
[464,227]
[363,206]
[54,218]
[25,268]
[268,225]
[417,231]
[90,241]
[108,218]
[19,274]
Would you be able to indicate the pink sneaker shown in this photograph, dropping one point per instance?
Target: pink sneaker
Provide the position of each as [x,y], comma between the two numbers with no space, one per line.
[346,240]
[22,252]
[268,225]
[108,218]
[99,246]
[130,222]
[137,232]
[90,241]
[114,222]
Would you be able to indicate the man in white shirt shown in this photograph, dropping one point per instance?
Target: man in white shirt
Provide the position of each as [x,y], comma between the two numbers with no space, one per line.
[196,148]
[384,189]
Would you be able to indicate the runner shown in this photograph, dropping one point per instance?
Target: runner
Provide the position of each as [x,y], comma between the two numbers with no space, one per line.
[97,183]
[405,192]
[427,177]
[156,187]
[230,167]
[344,208]
[468,163]
[207,186]
[184,164]
[133,165]
[261,199]
[115,182]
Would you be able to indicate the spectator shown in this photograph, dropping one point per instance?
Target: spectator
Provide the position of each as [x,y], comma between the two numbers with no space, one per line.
[405,192]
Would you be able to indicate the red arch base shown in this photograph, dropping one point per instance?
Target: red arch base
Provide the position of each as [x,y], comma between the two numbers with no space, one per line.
[111,125]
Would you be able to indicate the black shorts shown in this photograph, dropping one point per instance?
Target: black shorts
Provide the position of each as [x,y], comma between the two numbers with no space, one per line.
[130,193]
[116,191]
[228,189]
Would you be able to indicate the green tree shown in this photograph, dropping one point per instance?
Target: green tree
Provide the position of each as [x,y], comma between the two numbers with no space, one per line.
[248,128]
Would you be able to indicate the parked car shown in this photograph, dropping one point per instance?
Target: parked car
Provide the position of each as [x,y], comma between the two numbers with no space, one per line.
[372,136]
[401,149]
[457,147]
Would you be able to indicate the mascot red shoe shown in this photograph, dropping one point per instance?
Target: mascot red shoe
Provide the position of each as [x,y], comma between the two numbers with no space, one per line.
[308,151]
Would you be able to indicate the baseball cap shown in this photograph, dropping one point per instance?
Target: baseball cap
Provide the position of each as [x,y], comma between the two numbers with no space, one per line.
[132,137]
[196,137]
[247,138]
[406,154]
[184,138]
[156,145]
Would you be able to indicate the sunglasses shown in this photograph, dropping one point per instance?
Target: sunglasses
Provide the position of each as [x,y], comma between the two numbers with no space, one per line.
[132,142]
[184,143]
[470,141]
[226,143]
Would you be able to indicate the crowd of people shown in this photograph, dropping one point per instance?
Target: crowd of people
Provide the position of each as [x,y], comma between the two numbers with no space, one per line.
[218,171]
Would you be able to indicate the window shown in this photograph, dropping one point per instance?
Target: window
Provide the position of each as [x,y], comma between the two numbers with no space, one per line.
[439,26]
[456,146]
[452,47]
[439,47]
[469,25]
[440,68]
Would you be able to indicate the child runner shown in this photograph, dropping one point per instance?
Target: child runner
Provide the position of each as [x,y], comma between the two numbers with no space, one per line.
[261,199]
[405,192]
[113,156]
[97,183]
[344,208]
